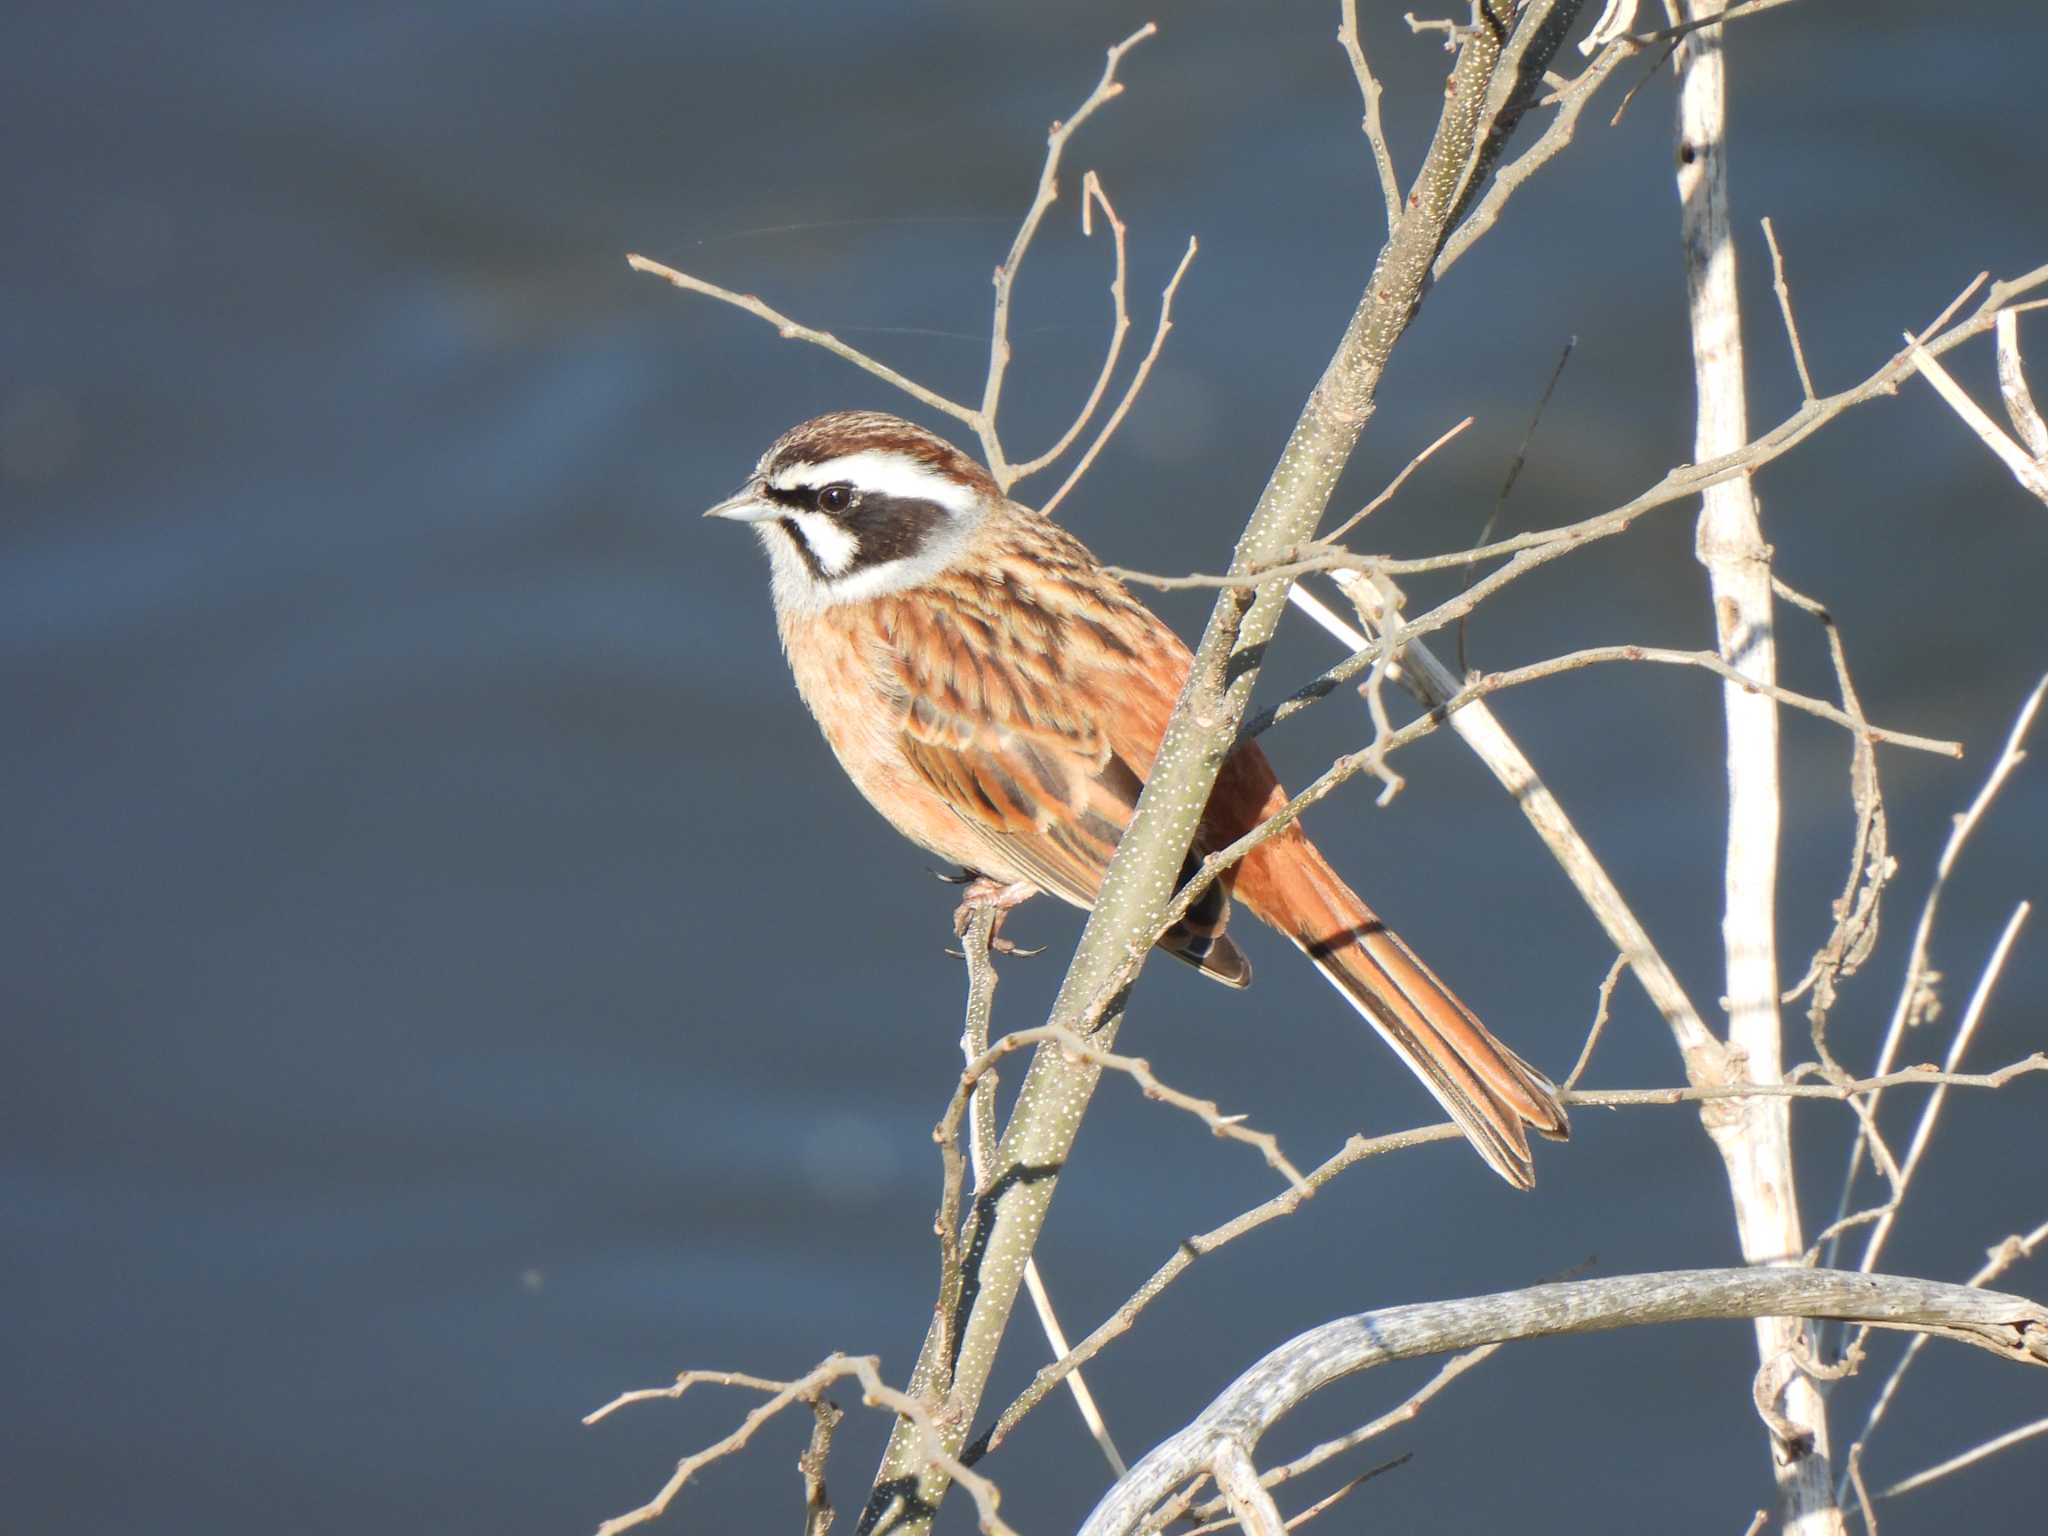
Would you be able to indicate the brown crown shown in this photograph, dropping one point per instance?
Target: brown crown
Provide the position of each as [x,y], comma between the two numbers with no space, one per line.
[844,432]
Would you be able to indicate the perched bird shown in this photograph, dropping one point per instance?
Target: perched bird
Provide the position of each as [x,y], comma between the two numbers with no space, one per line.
[999,697]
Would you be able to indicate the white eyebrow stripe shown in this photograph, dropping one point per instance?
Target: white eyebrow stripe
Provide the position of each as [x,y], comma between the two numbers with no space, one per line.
[884,472]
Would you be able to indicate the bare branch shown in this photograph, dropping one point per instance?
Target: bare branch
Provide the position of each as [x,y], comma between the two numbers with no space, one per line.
[806,1389]
[1238,1481]
[1295,1522]
[1937,1078]
[811,1467]
[2031,473]
[1393,1418]
[2010,1326]
[1539,546]
[1108,88]
[1354,1151]
[981,1141]
[1785,309]
[1394,484]
[1998,1259]
[1916,999]
[1478,727]
[2012,384]
[1120,325]
[1130,395]
[1375,133]
[1600,1012]
[1871,866]
[1992,1447]
[1931,1111]
[791,330]
[1077,1048]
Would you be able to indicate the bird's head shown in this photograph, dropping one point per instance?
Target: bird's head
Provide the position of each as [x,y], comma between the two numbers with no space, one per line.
[858,504]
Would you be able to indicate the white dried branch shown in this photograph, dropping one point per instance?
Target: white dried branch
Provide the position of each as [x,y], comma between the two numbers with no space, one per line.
[1753,1136]
[2012,1327]
[1998,1259]
[1238,1481]
[1479,728]
[2032,473]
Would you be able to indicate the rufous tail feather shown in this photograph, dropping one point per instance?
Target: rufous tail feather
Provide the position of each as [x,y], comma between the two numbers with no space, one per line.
[1486,1088]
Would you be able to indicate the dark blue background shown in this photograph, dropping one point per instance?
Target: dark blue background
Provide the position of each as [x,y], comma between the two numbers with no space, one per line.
[446,980]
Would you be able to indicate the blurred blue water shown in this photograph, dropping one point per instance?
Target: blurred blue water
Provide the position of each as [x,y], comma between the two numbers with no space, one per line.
[446,981]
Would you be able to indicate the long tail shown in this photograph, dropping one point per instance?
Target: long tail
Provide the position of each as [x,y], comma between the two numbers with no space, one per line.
[1485,1087]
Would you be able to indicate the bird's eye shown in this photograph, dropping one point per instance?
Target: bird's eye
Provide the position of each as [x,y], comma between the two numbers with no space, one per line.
[835,498]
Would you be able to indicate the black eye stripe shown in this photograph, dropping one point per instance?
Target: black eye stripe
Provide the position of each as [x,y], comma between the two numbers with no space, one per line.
[891,527]
[884,528]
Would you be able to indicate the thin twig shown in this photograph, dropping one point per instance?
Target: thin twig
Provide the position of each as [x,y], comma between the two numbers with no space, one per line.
[1916,1000]
[1130,394]
[1108,88]
[981,1140]
[1322,1505]
[1078,1048]
[1481,730]
[1930,1112]
[1862,1493]
[1854,934]
[1356,1150]
[1600,1012]
[2031,473]
[1991,1447]
[1393,1418]
[1395,484]
[1539,546]
[1937,1078]
[806,1389]
[1507,483]
[1785,308]
[792,330]
[1120,325]
[1369,88]
[1998,1259]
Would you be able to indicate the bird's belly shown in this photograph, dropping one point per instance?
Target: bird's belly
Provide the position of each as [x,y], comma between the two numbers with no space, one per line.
[861,723]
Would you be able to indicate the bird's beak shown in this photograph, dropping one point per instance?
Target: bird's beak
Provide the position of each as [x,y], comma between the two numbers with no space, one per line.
[746,505]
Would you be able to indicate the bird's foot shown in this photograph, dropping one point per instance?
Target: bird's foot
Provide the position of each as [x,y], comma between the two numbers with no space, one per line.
[983,893]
